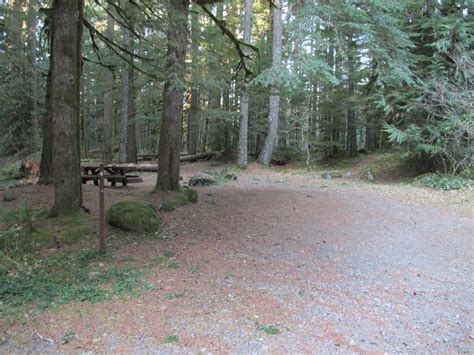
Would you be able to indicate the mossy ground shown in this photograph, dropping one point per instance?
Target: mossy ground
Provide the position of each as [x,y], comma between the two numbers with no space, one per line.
[179,199]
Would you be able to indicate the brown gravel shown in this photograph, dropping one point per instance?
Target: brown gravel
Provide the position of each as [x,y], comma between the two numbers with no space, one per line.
[337,266]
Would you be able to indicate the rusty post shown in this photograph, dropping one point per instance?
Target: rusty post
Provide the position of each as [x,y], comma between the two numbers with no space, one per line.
[101,210]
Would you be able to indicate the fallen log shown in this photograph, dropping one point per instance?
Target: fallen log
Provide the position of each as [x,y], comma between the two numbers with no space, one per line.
[198,156]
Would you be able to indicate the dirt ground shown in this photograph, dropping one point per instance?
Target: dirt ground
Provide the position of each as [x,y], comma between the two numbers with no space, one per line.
[336,266]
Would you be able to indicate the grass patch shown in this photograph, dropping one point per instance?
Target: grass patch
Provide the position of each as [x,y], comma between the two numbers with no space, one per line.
[18,236]
[171,296]
[133,216]
[193,268]
[173,266]
[169,254]
[9,196]
[179,199]
[68,337]
[228,275]
[390,167]
[443,181]
[171,339]
[63,278]
[11,172]
[159,260]
[74,228]
[270,329]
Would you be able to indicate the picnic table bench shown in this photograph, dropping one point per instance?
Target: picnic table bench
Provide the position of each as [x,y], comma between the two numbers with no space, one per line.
[113,173]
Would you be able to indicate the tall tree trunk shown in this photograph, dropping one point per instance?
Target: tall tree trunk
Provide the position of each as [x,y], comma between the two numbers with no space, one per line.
[84,133]
[131,121]
[170,133]
[351,117]
[19,127]
[32,76]
[46,165]
[108,120]
[67,16]
[122,132]
[193,123]
[242,158]
[270,140]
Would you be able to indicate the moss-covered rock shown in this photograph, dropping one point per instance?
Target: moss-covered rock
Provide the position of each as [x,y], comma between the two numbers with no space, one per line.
[133,216]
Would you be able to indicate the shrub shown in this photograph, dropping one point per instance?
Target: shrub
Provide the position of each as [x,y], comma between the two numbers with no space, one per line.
[133,216]
[444,181]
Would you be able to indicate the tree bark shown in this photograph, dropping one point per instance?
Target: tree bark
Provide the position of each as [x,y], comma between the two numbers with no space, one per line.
[122,132]
[46,165]
[108,121]
[193,123]
[271,138]
[65,94]
[242,158]
[32,76]
[351,116]
[131,148]
[170,133]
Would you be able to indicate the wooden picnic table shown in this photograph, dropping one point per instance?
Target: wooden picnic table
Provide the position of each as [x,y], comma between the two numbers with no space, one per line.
[112,172]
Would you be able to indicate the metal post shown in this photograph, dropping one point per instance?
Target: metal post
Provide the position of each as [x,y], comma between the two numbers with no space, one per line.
[101,210]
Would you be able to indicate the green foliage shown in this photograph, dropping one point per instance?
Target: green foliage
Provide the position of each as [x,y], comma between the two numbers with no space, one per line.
[444,181]
[9,196]
[222,176]
[391,167]
[74,228]
[171,339]
[68,337]
[133,216]
[179,199]
[169,254]
[191,194]
[270,329]
[228,275]
[173,265]
[171,296]
[18,235]
[11,171]
[63,278]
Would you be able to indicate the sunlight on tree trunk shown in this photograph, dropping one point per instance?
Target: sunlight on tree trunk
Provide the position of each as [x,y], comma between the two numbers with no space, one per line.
[242,158]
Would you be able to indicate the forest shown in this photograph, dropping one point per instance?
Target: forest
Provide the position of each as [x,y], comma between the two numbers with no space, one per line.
[275,102]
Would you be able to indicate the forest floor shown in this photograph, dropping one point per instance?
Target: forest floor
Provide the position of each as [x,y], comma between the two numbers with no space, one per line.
[279,261]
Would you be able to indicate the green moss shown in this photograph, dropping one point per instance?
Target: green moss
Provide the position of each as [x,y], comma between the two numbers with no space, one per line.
[133,216]
[191,194]
[180,199]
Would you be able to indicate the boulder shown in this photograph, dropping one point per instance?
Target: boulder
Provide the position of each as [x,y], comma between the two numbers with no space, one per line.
[202,179]
[133,216]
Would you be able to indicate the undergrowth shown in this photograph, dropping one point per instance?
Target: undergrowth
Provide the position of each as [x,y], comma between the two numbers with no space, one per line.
[34,275]
[222,176]
[444,181]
